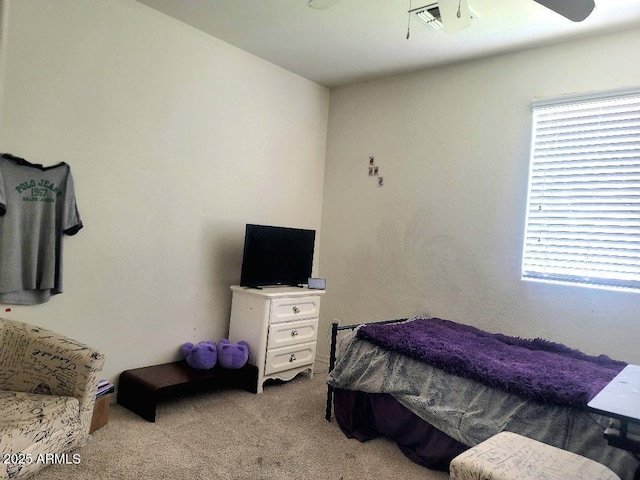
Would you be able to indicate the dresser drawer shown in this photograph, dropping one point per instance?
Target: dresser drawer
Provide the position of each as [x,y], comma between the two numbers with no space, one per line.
[280,359]
[291,333]
[288,309]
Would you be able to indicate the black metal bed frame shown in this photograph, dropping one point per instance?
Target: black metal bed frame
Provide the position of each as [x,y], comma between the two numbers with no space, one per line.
[335,328]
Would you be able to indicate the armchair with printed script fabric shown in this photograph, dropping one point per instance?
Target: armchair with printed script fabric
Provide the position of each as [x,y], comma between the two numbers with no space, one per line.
[48,386]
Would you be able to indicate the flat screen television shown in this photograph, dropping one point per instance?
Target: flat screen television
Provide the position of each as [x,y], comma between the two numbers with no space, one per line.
[276,256]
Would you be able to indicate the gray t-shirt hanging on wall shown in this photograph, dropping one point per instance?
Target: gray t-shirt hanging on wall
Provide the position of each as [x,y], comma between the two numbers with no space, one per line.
[37,205]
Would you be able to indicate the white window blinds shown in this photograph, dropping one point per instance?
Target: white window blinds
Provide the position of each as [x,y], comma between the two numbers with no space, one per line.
[583,211]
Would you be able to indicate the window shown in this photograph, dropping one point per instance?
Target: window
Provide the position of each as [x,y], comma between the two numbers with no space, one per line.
[583,210]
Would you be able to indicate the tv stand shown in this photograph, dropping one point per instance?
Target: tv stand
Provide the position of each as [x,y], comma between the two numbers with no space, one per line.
[263,287]
[280,325]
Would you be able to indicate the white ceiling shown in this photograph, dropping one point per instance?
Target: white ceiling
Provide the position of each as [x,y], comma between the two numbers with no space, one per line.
[356,40]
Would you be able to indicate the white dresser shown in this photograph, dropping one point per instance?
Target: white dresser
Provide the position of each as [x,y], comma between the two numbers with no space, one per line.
[280,324]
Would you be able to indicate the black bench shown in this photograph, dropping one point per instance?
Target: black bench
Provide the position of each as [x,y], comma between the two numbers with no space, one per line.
[140,389]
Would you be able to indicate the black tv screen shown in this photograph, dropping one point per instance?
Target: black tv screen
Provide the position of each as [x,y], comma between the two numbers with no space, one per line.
[276,256]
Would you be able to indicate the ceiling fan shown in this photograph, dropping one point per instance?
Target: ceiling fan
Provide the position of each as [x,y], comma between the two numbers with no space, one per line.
[456,15]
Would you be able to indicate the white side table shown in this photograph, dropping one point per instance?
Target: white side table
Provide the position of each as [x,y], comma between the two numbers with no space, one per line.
[280,325]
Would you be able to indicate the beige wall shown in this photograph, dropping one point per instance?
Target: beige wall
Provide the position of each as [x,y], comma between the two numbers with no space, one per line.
[3,35]
[443,236]
[176,140]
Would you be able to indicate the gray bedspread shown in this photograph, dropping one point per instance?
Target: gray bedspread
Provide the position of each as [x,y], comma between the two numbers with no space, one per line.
[469,411]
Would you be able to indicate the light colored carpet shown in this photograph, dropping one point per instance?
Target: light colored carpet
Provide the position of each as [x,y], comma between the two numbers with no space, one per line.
[231,434]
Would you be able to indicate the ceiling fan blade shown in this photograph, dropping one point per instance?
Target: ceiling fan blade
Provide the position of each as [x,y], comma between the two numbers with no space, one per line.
[574,10]
[321,4]
[455,14]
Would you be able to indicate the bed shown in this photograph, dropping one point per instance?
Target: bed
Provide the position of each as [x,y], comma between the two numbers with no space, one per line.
[438,387]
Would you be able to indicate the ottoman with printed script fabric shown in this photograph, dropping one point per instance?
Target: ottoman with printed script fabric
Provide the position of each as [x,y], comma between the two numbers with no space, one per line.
[509,456]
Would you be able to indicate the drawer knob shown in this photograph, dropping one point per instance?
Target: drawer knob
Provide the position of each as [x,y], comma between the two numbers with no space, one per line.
[294,333]
[296,310]
[292,358]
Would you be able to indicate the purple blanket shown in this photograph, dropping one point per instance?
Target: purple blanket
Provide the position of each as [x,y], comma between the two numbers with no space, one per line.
[544,371]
